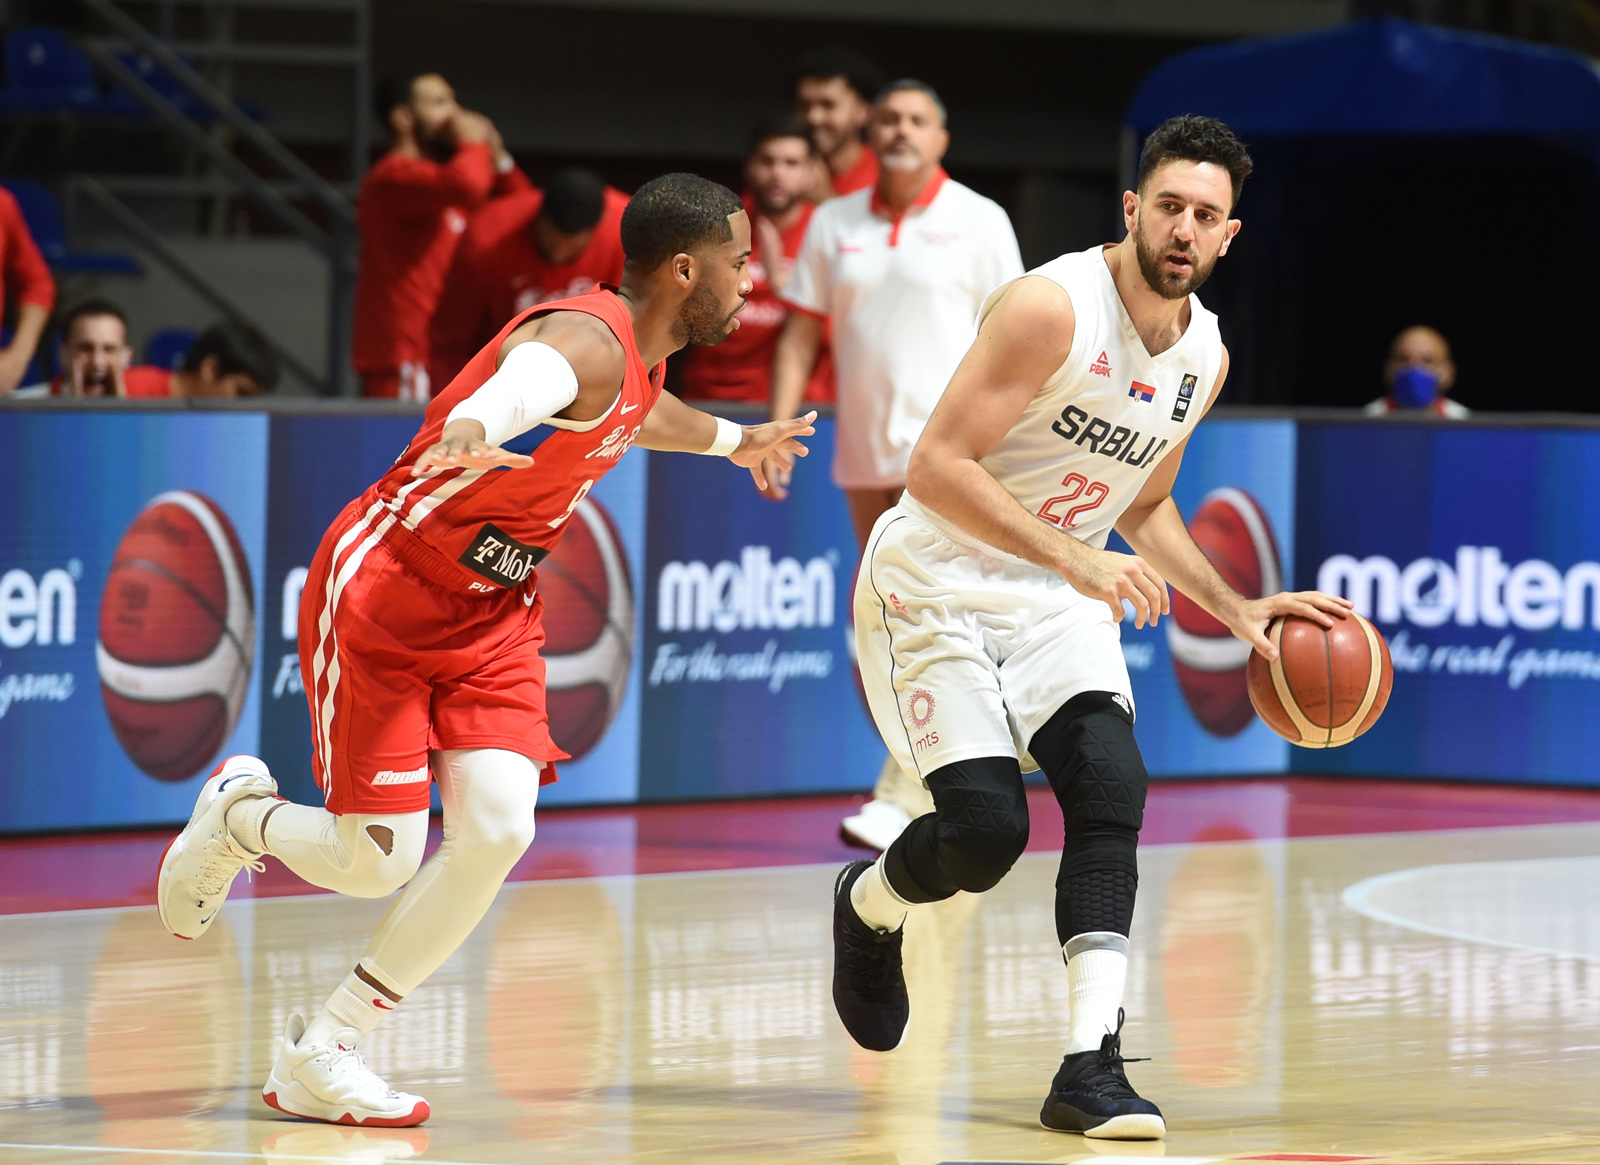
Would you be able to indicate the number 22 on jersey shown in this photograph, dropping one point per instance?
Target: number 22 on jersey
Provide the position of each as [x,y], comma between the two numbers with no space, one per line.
[1088,494]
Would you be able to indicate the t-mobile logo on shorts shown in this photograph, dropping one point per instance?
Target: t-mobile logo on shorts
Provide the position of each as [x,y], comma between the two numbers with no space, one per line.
[500,558]
[408,777]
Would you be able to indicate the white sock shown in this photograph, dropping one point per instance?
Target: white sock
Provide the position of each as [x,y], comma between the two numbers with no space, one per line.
[1097,969]
[244,820]
[352,1011]
[875,901]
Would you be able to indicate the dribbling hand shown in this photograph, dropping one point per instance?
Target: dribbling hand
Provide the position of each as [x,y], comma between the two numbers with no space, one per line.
[1113,578]
[1256,615]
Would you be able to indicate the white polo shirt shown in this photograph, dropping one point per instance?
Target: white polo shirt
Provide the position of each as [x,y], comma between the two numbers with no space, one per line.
[903,297]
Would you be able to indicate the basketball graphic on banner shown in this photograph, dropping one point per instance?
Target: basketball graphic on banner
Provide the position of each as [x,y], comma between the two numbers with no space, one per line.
[177,635]
[588,622]
[1232,529]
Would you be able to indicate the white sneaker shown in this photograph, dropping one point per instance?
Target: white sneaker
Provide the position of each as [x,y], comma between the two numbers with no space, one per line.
[876,826]
[200,865]
[334,1084]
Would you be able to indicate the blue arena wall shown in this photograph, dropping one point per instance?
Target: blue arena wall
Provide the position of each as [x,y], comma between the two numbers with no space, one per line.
[1474,547]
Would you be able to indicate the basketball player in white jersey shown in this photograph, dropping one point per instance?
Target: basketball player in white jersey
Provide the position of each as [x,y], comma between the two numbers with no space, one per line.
[987,609]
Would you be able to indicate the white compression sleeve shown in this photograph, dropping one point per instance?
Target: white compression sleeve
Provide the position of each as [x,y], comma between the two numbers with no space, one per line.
[533,384]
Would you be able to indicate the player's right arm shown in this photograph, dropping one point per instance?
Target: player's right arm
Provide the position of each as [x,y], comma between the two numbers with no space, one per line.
[1024,339]
[566,364]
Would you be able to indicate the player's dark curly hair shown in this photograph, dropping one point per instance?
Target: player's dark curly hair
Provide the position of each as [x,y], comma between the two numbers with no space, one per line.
[1191,138]
[675,214]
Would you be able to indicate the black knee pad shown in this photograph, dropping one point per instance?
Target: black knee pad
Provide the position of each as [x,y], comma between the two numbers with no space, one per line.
[976,833]
[1088,752]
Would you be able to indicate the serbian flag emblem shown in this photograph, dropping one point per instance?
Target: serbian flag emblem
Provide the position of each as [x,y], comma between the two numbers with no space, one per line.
[1142,392]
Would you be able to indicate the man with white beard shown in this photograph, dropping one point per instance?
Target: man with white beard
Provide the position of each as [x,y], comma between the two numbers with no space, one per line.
[899,271]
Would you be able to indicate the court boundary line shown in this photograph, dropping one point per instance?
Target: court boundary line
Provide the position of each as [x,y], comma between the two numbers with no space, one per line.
[1357,897]
[210,1154]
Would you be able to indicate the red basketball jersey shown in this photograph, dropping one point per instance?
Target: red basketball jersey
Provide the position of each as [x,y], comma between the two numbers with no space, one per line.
[496,525]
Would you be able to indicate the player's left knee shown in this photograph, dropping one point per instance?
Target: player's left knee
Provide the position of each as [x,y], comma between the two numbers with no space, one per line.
[1088,752]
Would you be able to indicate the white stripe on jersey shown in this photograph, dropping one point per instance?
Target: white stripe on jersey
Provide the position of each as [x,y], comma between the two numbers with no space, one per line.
[325,655]
[425,506]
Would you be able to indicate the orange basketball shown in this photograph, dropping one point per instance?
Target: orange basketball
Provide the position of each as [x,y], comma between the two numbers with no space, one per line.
[1327,686]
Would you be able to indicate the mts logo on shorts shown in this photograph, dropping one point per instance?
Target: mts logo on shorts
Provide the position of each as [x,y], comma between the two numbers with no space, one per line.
[500,558]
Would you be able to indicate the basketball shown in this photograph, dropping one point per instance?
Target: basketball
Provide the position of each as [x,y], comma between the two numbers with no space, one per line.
[1327,686]
[1232,530]
[588,620]
[177,635]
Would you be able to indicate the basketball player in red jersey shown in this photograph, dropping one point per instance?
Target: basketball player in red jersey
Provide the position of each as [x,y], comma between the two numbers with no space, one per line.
[420,630]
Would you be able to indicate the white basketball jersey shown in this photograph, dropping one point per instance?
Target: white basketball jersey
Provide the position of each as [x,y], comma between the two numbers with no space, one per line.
[1086,444]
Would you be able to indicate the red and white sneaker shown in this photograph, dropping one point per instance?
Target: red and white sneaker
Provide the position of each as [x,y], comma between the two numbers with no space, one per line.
[333,1083]
[199,867]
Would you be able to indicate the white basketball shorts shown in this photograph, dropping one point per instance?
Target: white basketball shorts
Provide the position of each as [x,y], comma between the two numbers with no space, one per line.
[966,651]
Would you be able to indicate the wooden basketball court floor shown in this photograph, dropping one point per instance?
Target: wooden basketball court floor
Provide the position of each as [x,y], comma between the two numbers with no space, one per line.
[1422,996]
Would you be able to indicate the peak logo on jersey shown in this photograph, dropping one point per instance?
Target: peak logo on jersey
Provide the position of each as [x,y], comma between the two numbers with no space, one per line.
[1098,436]
[500,558]
[1142,392]
[1101,366]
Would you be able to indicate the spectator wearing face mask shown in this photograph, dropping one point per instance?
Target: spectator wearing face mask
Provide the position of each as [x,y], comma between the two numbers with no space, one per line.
[1419,375]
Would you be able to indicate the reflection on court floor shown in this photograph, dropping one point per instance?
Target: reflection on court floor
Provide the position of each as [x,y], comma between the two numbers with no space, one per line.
[1408,998]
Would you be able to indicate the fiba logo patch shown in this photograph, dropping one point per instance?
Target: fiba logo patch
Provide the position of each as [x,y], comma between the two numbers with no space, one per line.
[1232,529]
[177,635]
[921,707]
[588,617]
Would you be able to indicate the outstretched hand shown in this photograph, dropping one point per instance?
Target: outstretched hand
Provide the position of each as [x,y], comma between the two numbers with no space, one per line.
[466,453]
[768,451]
[1256,615]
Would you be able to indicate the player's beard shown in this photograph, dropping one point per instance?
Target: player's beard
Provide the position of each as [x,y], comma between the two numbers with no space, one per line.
[1165,283]
[701,319]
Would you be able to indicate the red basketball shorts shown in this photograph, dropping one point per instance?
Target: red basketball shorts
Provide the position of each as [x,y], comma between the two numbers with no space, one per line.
[397,664]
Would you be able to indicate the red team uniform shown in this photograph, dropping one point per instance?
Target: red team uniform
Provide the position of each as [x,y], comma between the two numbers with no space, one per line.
[858,177]
[411,213]
[421,621]
[498,271]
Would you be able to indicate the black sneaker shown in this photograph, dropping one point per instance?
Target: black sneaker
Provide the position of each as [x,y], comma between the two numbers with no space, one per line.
[869,988]
[1091,1095]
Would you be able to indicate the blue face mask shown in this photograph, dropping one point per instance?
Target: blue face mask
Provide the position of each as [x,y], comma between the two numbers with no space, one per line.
[1415,388]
